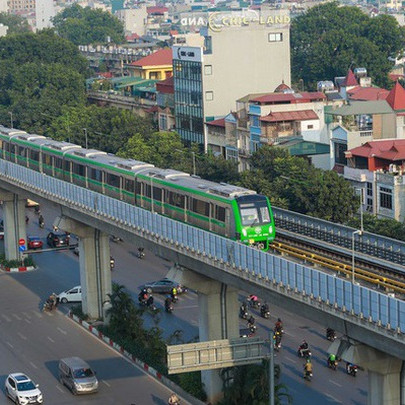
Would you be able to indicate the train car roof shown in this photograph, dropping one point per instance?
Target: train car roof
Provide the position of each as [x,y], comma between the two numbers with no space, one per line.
[10,131]
[57,146]
[196,183]
[28,137]
[86,153]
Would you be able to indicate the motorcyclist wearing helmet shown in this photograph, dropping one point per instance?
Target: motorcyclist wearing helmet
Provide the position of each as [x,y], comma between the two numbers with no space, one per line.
[331,359]
[174,399]
[278,326]
[303,348]
[307,367]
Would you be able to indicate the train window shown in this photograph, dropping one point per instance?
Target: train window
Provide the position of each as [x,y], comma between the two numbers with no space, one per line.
[78,169]
[67,166]
[22,151]
[58,162]
[146,190]
[200,207]
[157,193]
[220,213]
[46,159]
[34,155]
[6,146]
[129,185]
[176,199]
[95,174]
[113,180]
[264,213]
[138,187]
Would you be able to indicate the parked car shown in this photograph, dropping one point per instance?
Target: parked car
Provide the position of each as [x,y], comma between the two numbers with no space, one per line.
[22,390]
[55,239]
[163,286]
[72,295]
[34,242]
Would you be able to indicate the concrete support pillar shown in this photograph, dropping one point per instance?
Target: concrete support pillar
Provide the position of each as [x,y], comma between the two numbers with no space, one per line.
[403,384]
[218,318]
[95,271]
[14,223]
[384,371]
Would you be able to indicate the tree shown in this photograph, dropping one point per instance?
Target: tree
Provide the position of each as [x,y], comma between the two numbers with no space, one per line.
[15,23]
[85,26]
[327,39]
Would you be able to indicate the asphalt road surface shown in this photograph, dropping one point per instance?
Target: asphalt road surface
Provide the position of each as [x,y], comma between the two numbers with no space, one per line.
[60,270]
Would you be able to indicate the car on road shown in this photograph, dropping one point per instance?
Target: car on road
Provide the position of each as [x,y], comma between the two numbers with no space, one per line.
[163,286]
[55,239]
[22,390]
[72,295]
[34,242]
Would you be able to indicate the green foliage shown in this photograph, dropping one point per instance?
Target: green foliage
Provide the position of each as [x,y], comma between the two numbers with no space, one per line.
[78,311]
[85,26]
[108,128]
[15,23]
[327,39]
[250,385]
[27,261]
[191,382]
[386,227]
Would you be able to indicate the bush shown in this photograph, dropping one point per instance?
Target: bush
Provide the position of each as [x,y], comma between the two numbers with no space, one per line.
[27,261]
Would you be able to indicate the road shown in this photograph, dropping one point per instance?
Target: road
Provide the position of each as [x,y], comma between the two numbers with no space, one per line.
[327,386]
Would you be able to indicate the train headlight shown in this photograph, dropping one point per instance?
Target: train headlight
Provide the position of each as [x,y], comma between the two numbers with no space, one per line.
[244,232]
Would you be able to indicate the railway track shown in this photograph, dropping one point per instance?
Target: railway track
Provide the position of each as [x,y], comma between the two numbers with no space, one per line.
[341,263]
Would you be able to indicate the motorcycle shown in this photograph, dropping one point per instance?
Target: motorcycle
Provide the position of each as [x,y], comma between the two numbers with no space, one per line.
[331,335]
[243,313]
[254,303]
[264,312]
[169,308]
[112,263]
[41,223]
[351,369]
[308,375]
[304,353]
[333,364]
[141,253]
[51,303]
[277,342]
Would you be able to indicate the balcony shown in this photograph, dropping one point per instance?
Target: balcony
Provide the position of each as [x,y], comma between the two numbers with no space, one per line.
[390,179]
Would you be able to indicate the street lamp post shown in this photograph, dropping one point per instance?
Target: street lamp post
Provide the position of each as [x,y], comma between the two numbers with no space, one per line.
[152,175]
[85,136]
[358,232]
[11,119]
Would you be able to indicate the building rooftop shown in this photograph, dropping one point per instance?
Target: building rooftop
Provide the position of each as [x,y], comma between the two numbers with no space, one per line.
[299,147]
[161,57]
[387,149]
[156,10]
[166,86]
[350,79]
[289,98]
[363,107]
[396,97]
[367,93]
[217,123]
[302,115]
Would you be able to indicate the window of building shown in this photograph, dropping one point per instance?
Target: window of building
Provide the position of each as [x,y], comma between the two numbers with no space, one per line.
[340,149]
[162,122]
[207,45]
[370,189]
[310,127]
[232,154]
[209,95]
[386,198]
[254,121]
[275,37]
[208,70]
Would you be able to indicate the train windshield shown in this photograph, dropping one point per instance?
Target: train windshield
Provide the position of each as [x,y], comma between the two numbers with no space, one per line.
[254,213]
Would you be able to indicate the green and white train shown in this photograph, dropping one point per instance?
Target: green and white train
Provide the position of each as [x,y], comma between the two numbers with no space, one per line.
[233,212]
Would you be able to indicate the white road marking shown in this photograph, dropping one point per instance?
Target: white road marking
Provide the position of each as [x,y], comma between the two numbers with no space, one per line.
[106,383]
[26,315]
[60,389]
[16,317]
[290,359]
[27,320]
[62,331]
[33,365]
[333,398]
[8,343]
[37,314]
[334,382]
[22,336]
[50,339]
[6,318]
[187,307]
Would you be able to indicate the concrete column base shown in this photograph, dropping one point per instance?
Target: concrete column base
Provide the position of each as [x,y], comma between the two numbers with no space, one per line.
[384,371]
[218,318]
[14,223]
[95,271]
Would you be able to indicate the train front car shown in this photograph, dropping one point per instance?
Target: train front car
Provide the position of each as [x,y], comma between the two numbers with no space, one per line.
[254,222]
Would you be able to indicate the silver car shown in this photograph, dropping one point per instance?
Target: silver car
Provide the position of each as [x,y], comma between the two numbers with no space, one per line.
[77,375]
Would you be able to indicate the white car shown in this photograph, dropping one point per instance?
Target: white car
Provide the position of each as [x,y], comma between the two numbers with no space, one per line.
[22,390]
[72,295]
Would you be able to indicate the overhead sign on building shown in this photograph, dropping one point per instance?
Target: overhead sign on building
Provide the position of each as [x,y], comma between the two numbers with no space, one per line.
[189,53]
[214,354]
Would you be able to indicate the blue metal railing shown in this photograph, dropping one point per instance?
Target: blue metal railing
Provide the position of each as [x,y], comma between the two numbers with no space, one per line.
[361,301]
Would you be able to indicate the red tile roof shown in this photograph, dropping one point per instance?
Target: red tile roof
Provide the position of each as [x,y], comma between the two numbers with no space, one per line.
[217,123]
[390,149]
[367,93]
[350,79]
[156,10]
[304,97]
[161,57]
[132,37]
[302,115]
[395,77]
[281,87]
[396,98]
